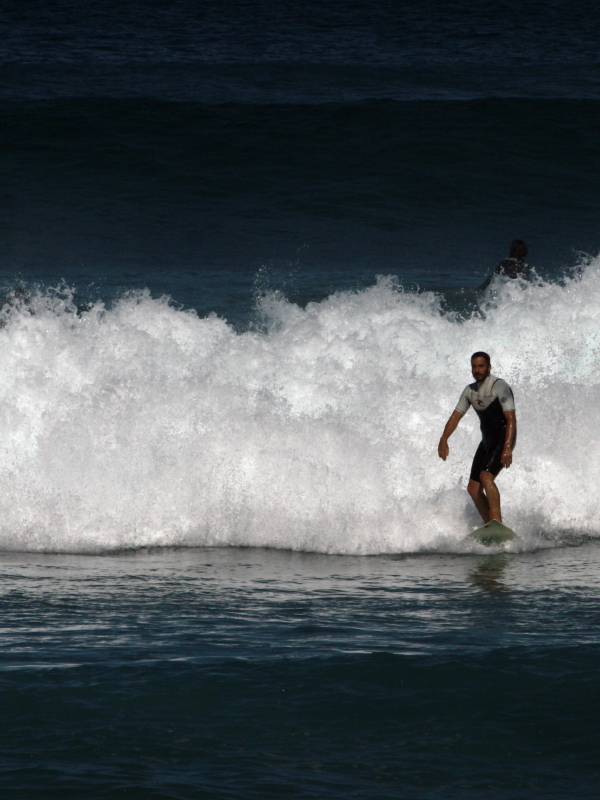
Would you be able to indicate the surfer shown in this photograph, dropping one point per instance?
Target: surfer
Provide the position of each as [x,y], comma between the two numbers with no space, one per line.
[493,400]
[512,267]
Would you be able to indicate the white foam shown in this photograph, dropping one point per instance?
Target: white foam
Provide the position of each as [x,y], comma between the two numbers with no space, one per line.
[145,425]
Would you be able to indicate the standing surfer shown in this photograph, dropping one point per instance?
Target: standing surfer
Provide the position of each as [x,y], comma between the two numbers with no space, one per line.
[493,400]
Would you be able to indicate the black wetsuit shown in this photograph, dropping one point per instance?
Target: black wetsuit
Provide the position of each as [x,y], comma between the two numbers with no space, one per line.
[490,399]
[511,268]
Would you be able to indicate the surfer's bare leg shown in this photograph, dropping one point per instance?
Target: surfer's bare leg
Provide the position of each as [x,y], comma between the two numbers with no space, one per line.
[492,495]
[475,489]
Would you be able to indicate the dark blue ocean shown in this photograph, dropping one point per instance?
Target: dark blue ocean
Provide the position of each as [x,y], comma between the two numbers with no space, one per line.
[240,246]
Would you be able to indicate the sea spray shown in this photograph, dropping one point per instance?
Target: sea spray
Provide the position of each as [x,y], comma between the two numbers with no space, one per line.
[143,425]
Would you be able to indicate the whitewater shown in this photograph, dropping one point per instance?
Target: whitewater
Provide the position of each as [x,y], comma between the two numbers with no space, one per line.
[140,424]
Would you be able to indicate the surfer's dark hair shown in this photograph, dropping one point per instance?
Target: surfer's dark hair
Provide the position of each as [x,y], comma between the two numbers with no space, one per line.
[481,354]
[518,249]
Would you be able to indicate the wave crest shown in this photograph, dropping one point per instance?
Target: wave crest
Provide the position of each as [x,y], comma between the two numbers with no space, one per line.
[141,424]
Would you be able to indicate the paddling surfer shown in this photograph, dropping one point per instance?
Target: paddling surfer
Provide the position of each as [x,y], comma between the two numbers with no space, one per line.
[493,400]
[512,267]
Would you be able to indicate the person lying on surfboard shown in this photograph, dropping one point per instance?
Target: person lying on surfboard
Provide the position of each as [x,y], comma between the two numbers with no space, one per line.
[512,267]
[493,400]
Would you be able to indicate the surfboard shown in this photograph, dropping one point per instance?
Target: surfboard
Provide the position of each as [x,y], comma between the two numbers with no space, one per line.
[493,532]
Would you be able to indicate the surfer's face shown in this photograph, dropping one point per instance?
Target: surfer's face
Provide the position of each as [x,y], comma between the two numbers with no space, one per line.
[480,369]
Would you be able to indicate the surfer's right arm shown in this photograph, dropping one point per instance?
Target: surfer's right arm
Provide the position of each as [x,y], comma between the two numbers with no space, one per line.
[461,409]
[451,425]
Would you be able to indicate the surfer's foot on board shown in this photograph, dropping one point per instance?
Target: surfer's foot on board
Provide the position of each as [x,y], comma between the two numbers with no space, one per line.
[486,497]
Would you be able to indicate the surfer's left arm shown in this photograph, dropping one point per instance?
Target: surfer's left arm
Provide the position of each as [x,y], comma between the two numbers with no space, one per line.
[509,438]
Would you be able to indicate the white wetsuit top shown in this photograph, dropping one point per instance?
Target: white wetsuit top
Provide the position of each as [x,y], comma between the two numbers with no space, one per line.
[490,399]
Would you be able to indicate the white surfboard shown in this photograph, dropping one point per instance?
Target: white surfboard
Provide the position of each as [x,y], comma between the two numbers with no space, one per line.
[493,532]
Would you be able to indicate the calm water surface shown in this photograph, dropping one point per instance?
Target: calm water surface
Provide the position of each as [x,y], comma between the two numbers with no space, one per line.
[251,673]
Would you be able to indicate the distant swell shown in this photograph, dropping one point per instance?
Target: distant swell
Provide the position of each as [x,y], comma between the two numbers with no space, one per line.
[143,425]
